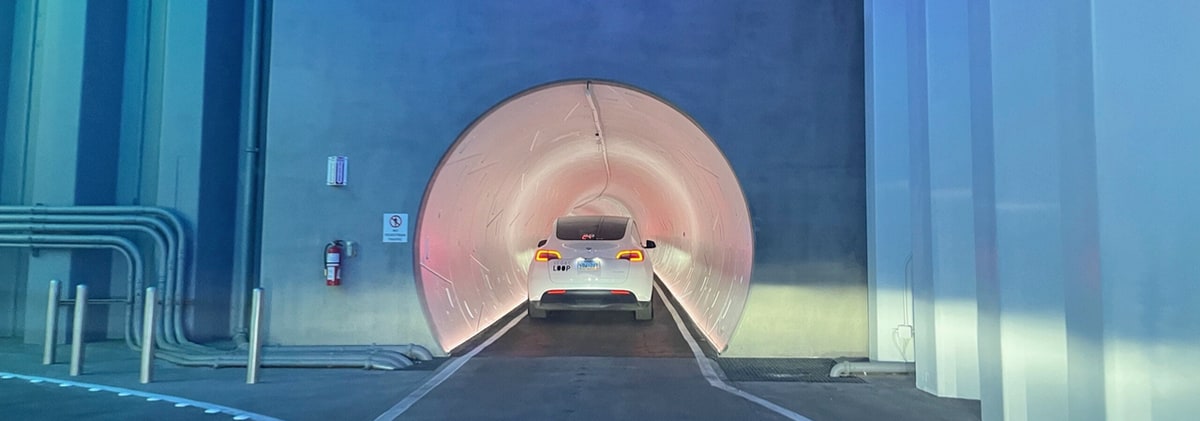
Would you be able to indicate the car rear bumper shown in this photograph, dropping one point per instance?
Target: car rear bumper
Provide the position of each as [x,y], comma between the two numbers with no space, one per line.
[589,300]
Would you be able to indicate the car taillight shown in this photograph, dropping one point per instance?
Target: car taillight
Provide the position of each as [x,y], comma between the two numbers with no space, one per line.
[556,291]
[620,292]
[546,255]
[631,255]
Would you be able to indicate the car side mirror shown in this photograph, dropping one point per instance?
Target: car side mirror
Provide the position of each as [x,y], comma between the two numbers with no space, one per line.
[650,244]
[541,243]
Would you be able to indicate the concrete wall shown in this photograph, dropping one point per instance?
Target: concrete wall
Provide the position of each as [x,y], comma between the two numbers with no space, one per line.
[391,84]
[889,227]
[190,158]
[1056,146]
[97,113]
[11,272]
[1147,147]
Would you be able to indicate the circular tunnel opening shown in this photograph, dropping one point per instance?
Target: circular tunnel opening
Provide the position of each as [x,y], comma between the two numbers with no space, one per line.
[580,148]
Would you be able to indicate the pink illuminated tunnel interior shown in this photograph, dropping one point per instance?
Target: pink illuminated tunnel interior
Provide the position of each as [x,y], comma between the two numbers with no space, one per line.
[580,148]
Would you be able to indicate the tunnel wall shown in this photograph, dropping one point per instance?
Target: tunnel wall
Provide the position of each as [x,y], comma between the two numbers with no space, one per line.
[578,148]
[777,85]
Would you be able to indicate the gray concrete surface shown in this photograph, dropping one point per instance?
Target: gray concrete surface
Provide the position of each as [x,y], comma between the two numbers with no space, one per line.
[593,334]
[882,397]
[582,388]
[290,394]
[571,366]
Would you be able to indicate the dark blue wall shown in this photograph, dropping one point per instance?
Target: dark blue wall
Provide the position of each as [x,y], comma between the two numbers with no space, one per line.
[7,8]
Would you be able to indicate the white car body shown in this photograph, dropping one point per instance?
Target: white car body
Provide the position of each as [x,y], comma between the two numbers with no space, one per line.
[596,271]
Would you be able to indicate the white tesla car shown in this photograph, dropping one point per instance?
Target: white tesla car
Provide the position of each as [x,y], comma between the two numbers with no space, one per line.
[592,263]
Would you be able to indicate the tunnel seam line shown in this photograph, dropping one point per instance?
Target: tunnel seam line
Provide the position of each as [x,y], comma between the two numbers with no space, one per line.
[178,401]
[710,374]
[442,375]
[603,145]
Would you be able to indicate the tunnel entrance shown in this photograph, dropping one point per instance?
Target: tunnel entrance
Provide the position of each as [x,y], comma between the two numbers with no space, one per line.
[576,148]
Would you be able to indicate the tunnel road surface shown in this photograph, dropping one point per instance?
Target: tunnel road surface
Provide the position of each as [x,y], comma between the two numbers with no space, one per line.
[585,366]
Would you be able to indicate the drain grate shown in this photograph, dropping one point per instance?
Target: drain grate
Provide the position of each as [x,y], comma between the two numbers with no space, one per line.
[808,370]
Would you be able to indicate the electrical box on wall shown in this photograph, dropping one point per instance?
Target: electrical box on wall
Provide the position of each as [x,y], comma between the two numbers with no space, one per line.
[335,172]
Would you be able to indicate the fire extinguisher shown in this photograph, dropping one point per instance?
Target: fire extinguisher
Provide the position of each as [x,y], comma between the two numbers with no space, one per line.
[333,263]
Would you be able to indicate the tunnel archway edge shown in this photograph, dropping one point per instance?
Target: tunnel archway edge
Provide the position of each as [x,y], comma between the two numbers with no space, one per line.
[421,225]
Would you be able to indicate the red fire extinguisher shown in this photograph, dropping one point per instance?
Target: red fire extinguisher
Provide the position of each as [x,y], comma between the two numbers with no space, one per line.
[333,263]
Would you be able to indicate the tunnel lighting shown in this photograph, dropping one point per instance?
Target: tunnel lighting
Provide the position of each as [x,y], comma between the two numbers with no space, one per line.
[541,155]
[631,255]
[547,255]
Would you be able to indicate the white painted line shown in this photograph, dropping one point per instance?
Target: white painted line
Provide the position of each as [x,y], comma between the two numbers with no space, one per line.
[444,373]
[710,374]
[151,397]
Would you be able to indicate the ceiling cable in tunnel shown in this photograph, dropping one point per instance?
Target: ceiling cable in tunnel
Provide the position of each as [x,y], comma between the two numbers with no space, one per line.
[603,146]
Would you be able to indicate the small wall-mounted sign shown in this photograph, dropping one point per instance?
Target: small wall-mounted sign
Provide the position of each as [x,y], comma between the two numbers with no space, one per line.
[335,173]
[395,227]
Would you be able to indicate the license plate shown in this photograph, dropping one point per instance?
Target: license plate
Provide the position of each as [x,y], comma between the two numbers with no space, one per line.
[588,265]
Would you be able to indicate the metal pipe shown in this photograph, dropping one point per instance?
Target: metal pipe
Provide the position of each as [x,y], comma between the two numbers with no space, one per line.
[170,333]
[77,329]
[113,300]
[412,351]
[175,297]
[180,349]
[367,361]
[284,357]
[148,315]
[844,368]
[51,341]
[247,194]
[132,254]
[255,337]
[37,223]
[287,352]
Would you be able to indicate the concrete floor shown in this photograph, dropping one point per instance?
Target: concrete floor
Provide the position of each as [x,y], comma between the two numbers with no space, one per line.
[573,366]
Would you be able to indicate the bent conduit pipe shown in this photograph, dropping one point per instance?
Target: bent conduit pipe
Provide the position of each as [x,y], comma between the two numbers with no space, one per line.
[137,289]
[164,241]
[376,361]
[173,320]
[313,356]
[845,368]
[132,254]
[380,359]
[172,331]
[412,351]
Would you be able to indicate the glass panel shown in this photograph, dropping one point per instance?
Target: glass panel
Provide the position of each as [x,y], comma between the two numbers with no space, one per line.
[591,228]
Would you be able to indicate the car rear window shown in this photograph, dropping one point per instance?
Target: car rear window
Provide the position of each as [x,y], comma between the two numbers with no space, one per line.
[591,228]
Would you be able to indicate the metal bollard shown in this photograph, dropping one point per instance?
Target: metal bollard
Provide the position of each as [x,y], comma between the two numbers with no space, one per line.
[77,329]
[148,320]
[51,342]
[256,312]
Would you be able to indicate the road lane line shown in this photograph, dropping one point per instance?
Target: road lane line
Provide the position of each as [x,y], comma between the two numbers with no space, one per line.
[710,374]
[238,414]
[444,373]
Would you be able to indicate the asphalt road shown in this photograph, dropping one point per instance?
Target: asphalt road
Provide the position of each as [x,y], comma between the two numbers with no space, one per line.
[585,366]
